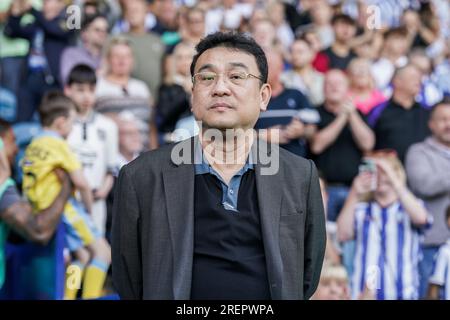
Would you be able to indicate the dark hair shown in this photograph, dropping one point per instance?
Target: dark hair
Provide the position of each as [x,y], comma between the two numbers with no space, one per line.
[445,101]
[233,41]
[82,74]
[54,104]
[400,32]
[89,19]
[343,18]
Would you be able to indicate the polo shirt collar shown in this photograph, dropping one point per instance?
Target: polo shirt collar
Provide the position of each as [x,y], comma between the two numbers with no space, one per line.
[202,165]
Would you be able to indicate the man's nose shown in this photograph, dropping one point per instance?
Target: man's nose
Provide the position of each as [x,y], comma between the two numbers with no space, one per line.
[221,86]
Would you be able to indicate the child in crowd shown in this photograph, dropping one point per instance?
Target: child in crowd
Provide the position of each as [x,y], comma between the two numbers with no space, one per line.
[48,151]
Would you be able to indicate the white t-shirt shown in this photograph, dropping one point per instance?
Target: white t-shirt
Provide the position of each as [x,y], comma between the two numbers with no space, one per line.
[95,142]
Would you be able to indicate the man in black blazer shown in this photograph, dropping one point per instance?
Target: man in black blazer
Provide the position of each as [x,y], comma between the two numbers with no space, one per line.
[222,215]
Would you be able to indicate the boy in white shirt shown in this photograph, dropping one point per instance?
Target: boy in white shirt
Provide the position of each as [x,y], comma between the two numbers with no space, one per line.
[94,139]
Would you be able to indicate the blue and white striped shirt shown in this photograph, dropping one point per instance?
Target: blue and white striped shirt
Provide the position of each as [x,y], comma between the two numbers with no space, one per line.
[387,252]
[441,272]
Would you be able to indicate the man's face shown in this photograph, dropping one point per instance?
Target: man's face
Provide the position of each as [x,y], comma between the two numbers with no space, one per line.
[275,63]
[135,13]
[183,58]
[10,145]
[302,54]
[408,81]
[336,86]
[130,139]
[196,23]
[332,289]
[440,124]
[97,32]
[83,94]
[51,8]
[396,45]
[225,105]
[121,60]
[264,34]
[344,31]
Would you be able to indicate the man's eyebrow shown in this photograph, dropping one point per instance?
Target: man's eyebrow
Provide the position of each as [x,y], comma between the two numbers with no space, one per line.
[232,64]
[239,65]
[205,67]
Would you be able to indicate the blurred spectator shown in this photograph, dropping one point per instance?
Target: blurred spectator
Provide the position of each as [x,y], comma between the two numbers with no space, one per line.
[418,33]
[332,248]
[368,40]
[15,213]
[321,15]
[49,150]
[48,36]
[441,73]
[94,139]
[130,140]
[122,25]
[147,47]
[342,138]
[264,33]
[194,28]
[428,169]
[362,91]
[94,33]
[386,219]
[429,93]
[175,92]
[339,55]
[110,9]
[226,15]
[167,19]
[440,279]
[118,91]
[303,76]
[333,284]
[393,55]
[401,121]
[289,114]
[13,52]
[276,14]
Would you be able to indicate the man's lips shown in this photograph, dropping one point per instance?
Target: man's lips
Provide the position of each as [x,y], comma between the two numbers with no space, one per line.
[220,106]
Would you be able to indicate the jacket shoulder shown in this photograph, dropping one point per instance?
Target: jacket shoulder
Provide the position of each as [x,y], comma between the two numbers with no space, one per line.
[293,161]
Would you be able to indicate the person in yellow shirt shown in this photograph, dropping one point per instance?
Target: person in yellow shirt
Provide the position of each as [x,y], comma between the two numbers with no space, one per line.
[47,151]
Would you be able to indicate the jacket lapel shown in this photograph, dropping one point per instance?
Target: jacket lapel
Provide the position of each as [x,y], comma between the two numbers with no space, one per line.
[269,201]
[179,197]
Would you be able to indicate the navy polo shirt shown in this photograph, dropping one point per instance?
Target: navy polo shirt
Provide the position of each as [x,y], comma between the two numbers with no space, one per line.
[229,192]
[229,260]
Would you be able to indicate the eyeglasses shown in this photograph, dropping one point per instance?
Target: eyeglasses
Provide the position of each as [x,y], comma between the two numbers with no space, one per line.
[235,77]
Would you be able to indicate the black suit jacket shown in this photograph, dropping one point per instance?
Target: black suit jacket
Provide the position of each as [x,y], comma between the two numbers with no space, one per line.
[153,224]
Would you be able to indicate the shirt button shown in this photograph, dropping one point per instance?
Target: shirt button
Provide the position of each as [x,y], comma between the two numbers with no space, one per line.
[231,191]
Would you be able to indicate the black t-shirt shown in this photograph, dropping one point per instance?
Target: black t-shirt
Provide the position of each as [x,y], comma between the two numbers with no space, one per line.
[398,128]
[340,161]
[338,62]
[282,109]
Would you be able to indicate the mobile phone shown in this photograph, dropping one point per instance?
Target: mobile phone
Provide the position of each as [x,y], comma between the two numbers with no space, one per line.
[369,165]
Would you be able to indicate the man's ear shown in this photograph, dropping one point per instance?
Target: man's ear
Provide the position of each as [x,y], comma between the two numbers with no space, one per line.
[266,94]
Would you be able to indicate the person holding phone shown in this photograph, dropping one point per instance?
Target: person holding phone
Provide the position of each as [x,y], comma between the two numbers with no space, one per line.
[385,222]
